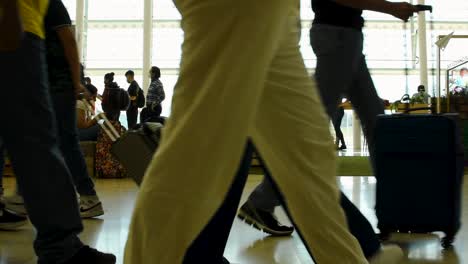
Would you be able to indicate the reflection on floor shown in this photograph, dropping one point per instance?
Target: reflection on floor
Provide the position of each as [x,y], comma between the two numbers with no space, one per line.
[246,245]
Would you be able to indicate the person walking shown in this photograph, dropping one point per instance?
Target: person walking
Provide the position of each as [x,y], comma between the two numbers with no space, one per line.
[30,138]
[230,90]
[337,40]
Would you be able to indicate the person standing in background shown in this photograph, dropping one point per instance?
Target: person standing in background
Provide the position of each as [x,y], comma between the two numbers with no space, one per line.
[133,91]
[154,98]
[336,120]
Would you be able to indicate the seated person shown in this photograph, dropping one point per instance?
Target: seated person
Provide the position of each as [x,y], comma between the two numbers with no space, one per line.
[88,126]
[421,96]
[462,79]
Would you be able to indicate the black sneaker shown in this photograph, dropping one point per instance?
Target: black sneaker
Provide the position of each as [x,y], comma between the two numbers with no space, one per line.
[91,256]
[263,221]
[10,221]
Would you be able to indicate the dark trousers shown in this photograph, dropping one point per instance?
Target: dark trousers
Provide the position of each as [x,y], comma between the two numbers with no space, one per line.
[132,116]
[2,166]
[65,110]
[210,244]
[148,115]
[337,119]
[28,130]
[90,133]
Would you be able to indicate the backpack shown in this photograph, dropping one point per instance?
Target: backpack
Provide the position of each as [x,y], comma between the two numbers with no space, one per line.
[140,98]
[115,98]
[106,164]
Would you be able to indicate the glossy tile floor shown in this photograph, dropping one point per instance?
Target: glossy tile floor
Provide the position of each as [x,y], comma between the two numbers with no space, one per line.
[246,245]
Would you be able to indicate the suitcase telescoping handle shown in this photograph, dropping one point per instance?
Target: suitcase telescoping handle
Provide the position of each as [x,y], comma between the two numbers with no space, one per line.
[106,125]
[424,8]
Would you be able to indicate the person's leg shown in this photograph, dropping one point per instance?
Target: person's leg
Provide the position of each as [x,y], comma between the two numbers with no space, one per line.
[2,166]
[89,134]
[264,196]
[144,114]
[156,111]
[204,137]
[132,117]
[209,246]
[300,156]
[258,210]
[30,139]
[337,119]
[366,103]
[335,54]
[64,105]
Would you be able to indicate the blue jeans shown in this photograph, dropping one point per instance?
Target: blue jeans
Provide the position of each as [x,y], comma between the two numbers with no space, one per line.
[30,137]
[210,244]
[65,110]
[89,134]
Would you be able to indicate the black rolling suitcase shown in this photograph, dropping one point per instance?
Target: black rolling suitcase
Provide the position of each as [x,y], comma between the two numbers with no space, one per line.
[136,149]
[419,171]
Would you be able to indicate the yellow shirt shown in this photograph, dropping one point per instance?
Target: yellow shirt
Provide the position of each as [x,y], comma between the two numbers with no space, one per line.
[32,13]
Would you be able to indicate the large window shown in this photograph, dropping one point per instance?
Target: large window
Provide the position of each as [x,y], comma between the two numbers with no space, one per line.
[115,9]
[167,42]
[114,46]
[165,10]
[114,42]
[449,10]
[71,7]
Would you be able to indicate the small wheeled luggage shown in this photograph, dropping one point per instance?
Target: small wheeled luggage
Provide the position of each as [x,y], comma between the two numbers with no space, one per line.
[136,149]
[419,171]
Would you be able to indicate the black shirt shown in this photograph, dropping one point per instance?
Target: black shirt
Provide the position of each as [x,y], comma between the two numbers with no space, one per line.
[58,68]
[331,13]
[133,90]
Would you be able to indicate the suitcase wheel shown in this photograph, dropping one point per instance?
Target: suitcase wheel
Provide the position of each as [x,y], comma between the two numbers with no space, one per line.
[384,234]
[447,241]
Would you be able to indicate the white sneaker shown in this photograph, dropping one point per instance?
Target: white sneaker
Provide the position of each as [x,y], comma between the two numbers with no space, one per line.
[389,254]
[90,206]
[15,203]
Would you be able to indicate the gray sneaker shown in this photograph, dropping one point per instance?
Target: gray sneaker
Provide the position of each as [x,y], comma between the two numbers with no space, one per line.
[90,206]
[263,220]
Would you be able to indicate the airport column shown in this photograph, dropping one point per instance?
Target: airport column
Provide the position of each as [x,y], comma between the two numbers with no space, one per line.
[147,41]
[79,26]
[422,33]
